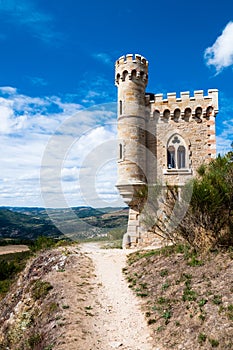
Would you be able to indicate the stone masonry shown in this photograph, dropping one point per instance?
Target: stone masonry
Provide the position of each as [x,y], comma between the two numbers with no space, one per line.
[160,140]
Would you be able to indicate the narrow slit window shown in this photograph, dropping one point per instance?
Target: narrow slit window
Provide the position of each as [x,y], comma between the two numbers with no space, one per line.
[120,107]
[120,151]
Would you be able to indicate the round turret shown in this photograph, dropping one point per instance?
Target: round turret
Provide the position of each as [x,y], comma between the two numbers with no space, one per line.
[131,78]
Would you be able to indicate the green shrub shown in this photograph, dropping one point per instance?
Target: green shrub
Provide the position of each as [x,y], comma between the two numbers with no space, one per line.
[208,222]
[202,338]
[7,269]
[40,289]
[34,340]
[42,243]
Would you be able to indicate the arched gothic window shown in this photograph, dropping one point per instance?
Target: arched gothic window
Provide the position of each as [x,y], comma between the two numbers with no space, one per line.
[176,153]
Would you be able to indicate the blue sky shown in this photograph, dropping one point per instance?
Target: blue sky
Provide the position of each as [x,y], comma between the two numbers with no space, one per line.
[57,61]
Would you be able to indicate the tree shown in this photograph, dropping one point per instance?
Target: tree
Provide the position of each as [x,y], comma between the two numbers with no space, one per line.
[209,219]
[200,213]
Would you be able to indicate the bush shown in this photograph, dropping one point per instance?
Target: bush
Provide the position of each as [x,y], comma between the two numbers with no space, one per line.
[201,214]
[42,243]
[40,289]
[7,269]
[209,220]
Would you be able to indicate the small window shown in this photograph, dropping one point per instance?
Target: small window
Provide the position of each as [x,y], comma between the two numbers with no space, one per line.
[118,78]
[209,111]
[120,108]
[121,151]
[198,114]
[187,113]
[156,115]
[176,114]
[124,75]
[166,114]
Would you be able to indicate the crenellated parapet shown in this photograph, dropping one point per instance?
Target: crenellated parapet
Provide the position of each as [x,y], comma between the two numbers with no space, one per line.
[131,67]
[184,107]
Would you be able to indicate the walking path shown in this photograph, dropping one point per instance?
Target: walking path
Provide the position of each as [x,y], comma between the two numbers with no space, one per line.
[117,319]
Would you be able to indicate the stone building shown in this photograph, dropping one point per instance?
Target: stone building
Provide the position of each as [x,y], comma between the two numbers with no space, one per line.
[160,140]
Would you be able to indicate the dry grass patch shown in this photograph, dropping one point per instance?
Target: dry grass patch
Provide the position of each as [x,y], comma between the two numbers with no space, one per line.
[187,299]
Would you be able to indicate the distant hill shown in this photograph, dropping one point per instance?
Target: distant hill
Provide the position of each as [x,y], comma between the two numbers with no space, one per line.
[19,225]
[78,223]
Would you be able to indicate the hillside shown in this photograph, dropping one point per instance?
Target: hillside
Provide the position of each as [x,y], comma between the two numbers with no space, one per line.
[66,298]
[84,223]
[19,225]
[187,299]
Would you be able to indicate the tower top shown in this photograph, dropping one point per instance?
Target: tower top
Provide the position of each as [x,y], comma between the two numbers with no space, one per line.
[131,67]
[135,58]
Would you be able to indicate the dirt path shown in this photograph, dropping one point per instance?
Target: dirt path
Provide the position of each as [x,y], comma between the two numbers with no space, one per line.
[117,319]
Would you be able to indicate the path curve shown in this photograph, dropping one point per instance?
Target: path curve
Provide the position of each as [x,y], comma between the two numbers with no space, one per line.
[118,321]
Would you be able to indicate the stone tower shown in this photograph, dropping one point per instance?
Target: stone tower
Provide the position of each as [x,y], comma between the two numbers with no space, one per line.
[131,80]
[163,140]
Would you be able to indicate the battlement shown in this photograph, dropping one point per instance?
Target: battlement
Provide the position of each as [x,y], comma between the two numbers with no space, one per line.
[132,68]
[198,104]
[136,58]
[184,96]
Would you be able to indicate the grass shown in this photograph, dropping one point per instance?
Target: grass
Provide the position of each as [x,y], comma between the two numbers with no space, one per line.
[213,342]
[217,299]
[202,302]
[40,289]
[164,273]
[202,338]
[229,312]
[34,340]
[178,285]
[188,252]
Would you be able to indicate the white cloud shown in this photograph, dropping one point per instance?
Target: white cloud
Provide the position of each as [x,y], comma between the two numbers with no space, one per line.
[92,91]
[103,57]
[71,137]
[24,13]
[38,81]
[224,124]
[8,90]
[220,54]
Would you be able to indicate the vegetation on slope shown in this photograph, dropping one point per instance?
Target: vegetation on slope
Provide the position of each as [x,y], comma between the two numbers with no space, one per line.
[187,289]
[37,309]
[187,298]
[12,264]
[84,223]
[202,213]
